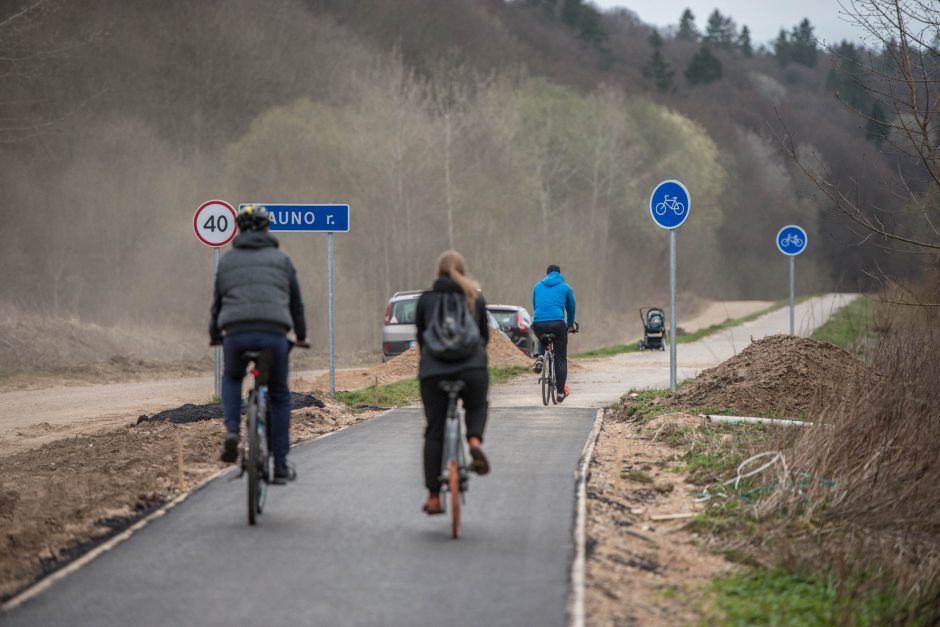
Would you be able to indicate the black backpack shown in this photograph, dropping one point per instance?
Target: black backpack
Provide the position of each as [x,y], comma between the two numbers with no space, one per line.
[452,333]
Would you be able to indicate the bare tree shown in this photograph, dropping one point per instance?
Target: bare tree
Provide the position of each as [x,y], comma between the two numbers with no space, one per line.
[904,79]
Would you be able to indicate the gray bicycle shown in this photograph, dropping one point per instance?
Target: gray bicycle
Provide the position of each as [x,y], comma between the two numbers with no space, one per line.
[454,470]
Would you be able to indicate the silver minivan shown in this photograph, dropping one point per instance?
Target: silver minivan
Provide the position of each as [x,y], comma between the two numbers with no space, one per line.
[400,331]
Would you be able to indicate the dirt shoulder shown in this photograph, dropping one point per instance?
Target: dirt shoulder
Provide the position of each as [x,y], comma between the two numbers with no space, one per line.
[643,570]
[63,498]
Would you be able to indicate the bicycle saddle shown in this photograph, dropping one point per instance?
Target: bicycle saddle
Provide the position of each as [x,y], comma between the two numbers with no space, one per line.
[452,387]
[547,338]
[263,360]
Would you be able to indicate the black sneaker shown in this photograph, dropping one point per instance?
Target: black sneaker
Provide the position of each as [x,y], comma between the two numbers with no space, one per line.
[537,367]
[230,448]
[284,473]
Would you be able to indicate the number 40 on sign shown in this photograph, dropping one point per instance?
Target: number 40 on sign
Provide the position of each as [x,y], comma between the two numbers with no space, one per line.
[214,223]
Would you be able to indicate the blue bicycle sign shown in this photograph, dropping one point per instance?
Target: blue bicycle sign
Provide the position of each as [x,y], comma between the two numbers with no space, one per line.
[670,204]
[791,240]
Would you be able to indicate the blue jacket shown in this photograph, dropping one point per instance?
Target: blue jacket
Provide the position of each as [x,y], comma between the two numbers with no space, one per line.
[551,298]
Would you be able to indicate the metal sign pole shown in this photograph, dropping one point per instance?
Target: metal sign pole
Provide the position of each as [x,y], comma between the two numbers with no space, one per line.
[672,310]
[218,349]
[792,281]
[329,269]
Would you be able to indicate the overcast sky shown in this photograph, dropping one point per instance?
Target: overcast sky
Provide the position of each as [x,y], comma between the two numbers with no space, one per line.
[763,17]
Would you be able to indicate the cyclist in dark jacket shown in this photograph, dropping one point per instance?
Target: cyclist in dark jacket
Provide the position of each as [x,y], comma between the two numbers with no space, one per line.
[452,277]
[256,303]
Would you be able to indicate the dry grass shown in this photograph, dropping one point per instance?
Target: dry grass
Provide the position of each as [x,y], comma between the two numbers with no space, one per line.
[862,503]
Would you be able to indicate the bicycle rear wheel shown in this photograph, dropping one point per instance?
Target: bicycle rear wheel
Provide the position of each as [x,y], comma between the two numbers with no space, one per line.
[254,453]
[545,379]
[454,487]
[551,381]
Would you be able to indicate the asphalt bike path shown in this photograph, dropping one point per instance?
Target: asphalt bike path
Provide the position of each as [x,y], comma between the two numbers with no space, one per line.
[347,544]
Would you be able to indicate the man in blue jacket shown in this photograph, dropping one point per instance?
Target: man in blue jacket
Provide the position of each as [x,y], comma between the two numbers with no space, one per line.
[553,301]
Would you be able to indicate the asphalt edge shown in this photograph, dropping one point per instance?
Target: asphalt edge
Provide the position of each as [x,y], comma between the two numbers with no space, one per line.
[578,564]
[53,578]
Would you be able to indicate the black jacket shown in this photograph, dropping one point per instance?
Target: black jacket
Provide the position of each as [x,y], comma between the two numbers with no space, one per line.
[430,366]
[256,290]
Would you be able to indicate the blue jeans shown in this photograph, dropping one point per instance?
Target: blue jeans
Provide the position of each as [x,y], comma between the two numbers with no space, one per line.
[278,392]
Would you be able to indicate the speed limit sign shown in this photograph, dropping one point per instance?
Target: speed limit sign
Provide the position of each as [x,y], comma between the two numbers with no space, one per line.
[214,223]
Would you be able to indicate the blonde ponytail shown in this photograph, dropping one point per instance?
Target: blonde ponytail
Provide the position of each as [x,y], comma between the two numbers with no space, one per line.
[452,264]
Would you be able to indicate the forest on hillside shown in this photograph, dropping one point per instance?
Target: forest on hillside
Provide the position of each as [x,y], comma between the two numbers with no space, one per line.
[522,133]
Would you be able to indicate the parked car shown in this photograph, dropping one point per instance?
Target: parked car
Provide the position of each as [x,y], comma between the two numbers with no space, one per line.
[399,332]
[516,322]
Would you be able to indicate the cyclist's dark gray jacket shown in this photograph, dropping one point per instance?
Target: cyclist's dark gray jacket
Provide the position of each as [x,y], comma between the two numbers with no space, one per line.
[256,290]
[429,366]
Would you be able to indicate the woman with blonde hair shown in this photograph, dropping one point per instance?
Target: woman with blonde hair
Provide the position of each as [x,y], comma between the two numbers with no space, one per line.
[471,368]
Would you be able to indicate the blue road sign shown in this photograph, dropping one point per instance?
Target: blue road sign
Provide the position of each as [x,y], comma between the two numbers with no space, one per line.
[308,218]
[791,240]
[670,204]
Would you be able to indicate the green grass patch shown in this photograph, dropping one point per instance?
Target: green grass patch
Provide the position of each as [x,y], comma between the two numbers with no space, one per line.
[408,392]
[608,351]
[646,405]
[777,597]
[395,394]
[502,375]
[851,327]
[214,400]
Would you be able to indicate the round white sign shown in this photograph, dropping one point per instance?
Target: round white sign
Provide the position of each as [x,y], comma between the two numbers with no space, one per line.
[214,223]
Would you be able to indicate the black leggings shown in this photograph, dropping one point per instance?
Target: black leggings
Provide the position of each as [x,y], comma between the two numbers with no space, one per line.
[560,329]
[435,410]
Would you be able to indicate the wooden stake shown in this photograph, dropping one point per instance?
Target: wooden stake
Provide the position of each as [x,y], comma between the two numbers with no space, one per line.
[179,460]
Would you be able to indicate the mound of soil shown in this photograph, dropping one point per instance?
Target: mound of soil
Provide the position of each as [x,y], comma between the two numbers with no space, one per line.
[780,374]
[194,413]
[501,351]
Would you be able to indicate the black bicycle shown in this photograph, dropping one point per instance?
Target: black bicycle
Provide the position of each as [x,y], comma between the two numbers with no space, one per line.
[257,460]
[549,392]
[454,471]
[548,381]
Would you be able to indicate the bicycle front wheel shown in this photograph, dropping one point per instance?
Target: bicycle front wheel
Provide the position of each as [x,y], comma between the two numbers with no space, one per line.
[454,487]
[254,454]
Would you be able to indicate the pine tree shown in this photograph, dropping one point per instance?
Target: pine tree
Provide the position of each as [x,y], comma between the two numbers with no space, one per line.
[845,79]
[782,48]
[687,28]
[704,67]
[744,42]
[721,30]
[585,20]
[803,44]
[876,129]
[657,69]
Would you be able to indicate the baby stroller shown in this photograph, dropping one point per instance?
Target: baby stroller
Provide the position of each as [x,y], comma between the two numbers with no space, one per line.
[654,329]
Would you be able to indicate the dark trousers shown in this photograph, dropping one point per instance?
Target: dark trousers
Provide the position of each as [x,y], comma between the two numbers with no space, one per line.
[435,400]
[278,392]
[560,329]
